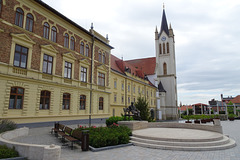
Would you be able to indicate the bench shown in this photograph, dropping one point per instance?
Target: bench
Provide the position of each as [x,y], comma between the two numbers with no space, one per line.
[74,137]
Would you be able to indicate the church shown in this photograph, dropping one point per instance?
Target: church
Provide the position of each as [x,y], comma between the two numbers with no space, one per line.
[161,71]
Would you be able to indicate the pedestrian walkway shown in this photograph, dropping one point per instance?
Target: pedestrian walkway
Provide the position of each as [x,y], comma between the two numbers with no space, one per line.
[43,136]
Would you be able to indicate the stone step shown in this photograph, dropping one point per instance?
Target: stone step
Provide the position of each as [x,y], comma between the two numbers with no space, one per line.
[217,137]
[228,145]
[148,140]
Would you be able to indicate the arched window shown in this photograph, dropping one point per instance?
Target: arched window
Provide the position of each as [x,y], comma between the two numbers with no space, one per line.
[54,34]
[29,22]
[167,47]
[16,98]
[45,100]
[100,56]
[100,103]
[82,48]
[72,43]
[165,69]
[46,30]
[87,50]
[82,102]
[66,40]
[164,48]
[103,58]
[19,17]
[66,101]
[160,48]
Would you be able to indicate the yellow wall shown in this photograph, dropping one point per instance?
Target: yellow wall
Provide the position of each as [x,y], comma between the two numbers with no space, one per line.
[127,92]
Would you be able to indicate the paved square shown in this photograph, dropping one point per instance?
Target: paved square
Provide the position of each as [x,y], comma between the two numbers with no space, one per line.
[42,136]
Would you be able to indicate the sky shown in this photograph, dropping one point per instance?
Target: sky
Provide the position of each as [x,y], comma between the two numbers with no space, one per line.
[207,43]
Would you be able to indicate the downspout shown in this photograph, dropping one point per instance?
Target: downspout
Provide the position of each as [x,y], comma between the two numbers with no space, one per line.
[91,80]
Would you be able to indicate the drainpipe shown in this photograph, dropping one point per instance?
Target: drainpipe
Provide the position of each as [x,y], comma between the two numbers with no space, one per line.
[91,80]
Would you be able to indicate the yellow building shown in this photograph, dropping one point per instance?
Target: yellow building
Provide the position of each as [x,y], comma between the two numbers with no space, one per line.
[127,84]
[52,69]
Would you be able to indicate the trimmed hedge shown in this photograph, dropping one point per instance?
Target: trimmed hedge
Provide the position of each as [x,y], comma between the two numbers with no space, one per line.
[6,152]
[115,119]
[108,136]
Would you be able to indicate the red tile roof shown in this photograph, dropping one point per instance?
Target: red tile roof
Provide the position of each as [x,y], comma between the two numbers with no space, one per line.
[147,65]
[122,66]
[236,99]
[184,108]
[199,104]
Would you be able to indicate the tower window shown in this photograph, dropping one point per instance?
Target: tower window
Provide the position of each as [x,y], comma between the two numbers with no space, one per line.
[164,48]
[167,47]
[165,69]
[72,43]
[160,48]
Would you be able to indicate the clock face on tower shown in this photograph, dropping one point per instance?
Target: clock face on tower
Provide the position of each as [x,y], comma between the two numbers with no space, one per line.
[163,38]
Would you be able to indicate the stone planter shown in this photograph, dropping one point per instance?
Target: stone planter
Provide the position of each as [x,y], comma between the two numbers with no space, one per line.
[203,121]
[231,119]
[188,121]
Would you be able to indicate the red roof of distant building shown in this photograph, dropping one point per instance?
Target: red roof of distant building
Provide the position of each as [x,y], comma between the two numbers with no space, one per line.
[184,108]
[147,65]
[236,99]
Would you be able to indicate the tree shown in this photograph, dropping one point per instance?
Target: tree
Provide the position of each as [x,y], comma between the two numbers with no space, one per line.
[142,106]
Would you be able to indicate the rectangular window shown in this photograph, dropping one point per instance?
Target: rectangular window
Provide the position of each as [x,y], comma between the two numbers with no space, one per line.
[101,79]
[47,64]
[100,103]
[16,98]
[83,74]
[82,102]
[66,101]
[115,84]
[133,89]
[20,56]
[45,100]
[128,88]
[115,97]
[68,70]
[122,86]
[122,99]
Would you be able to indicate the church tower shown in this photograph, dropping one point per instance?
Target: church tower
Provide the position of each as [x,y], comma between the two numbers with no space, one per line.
[166,70]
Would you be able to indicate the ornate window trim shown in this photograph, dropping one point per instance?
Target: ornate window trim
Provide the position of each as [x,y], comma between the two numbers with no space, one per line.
[25,41]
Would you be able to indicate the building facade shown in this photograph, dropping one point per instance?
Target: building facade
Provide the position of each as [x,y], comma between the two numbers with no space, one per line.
[51,68]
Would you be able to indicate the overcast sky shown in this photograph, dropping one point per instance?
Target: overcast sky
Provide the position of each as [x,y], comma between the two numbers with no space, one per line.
[207,42]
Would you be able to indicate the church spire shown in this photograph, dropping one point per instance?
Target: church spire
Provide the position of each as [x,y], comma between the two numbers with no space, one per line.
[164,25]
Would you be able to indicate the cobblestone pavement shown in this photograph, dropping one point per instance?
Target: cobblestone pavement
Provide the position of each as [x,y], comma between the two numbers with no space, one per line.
[43,136]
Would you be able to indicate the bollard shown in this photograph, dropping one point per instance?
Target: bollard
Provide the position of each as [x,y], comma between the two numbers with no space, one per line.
[85,140]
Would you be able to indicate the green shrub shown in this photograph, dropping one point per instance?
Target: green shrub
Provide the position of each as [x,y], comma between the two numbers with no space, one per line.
[115,119]
[108,136]
[6,152]
[7,125]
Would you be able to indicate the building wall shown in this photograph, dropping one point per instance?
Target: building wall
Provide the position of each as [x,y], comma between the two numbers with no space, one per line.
[129,94]
[33,80]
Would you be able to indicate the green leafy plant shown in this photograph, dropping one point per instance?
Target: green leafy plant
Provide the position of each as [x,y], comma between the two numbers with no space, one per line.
[232,115]
[187,117]
[6,152]
[107,136]
[115,119]
[142,106]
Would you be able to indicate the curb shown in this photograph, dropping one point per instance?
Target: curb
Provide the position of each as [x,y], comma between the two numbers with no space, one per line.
[109,147]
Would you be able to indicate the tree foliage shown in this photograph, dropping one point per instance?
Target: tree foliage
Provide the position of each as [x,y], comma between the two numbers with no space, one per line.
[142,106]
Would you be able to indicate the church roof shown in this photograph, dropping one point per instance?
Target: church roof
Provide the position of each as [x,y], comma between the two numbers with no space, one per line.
[146,65]
[164,25]
[160,87]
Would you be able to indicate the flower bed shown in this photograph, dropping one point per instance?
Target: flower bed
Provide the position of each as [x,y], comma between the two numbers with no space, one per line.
[107,136]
